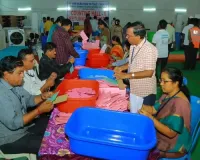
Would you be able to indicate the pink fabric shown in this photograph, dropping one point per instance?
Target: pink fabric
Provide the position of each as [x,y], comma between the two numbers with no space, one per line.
[81,93]
[90,45]
[62,118]
[112,101]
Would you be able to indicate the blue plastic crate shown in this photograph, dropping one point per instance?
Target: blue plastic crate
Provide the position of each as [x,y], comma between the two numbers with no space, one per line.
[80,61]
[77,44]
[82,53]
[110,135]
[95,74]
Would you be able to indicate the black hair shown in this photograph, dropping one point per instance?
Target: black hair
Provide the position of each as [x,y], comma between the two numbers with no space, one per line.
[139,29]
[176,76]
[102,22]
[87,15]
[66,22]
[49,46]
[24,52]
[162,24]
[8,64]
[44,18]
[195,22]
[117,22]
[95,17]
[117,39]
[48,18]
[127,44]
[59,19]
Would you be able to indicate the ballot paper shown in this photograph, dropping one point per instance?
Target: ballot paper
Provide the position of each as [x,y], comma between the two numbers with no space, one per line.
[136,103]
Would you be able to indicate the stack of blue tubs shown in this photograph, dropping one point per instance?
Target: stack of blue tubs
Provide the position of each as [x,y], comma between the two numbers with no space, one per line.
[83,56]
[77,44]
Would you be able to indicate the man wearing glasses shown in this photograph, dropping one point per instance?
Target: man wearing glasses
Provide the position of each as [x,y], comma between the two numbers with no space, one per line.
[141,66]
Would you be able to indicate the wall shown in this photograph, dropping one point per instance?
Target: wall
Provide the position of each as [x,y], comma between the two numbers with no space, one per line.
[127,10]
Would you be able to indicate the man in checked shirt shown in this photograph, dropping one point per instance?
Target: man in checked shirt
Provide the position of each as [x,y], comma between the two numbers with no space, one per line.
[141,66]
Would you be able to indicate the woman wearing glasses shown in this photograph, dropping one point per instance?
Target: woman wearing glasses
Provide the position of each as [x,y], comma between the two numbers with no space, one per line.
[171,116]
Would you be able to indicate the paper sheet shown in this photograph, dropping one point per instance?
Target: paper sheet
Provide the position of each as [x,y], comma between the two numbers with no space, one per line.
[83,36]
[136,103]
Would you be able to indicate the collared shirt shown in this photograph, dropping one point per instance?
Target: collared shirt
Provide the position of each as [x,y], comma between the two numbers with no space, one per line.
[32,83]
[161,39]
[64,47]
[171,32]
[143,58]
[47,66]
[186,31]
[14,102]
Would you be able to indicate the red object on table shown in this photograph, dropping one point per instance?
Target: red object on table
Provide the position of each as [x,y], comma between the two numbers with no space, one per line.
[73,103]
[73,75]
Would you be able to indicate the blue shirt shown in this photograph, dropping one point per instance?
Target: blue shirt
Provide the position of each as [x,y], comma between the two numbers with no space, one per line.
[51,31]
[14,102]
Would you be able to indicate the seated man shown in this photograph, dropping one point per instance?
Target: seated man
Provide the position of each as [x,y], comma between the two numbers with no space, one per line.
[17,134]
[32,83]
[48,64]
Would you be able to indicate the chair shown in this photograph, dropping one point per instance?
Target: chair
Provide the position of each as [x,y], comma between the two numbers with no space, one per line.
[195,127]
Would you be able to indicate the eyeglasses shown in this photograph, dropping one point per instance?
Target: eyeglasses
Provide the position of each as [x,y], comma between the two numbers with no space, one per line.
[164,81]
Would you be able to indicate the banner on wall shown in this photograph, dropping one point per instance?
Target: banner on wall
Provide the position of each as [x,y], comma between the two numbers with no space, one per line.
[78,10]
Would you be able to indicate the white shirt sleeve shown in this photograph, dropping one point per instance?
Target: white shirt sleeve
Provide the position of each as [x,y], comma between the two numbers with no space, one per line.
[155,38]
[32,83]
[184,30]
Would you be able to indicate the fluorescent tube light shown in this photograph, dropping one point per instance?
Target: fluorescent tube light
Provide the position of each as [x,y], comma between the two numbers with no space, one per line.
[64,9]
[24,9]
[149,9]
[109,9]
[180,10]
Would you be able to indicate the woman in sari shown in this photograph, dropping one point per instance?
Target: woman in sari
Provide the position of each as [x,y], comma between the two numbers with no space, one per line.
[117,52]
[105,33]
[171,117]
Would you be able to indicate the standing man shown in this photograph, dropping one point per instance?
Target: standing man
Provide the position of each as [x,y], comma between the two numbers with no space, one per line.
[194,44]
[42,25]
[64,47]
[186,41]
[161,39]
[87,26]
[94,23]
[171,31]
[142,64]
[47,25]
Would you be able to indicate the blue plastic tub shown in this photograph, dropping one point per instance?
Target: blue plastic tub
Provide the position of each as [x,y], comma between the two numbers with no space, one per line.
[77,44]
[110,135]
[82,53]
[80,61]
[95,74]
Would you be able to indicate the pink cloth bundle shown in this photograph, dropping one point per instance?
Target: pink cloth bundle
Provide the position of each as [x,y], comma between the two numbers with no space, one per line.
[81,93]
[105,84]
[112,101]
[62,118]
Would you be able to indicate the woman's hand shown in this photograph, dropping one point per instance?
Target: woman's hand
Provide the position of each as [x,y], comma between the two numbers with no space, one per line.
[46,95]
[145,113]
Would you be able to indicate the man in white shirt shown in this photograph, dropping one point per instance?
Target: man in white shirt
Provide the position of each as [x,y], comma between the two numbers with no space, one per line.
[186,42]
[161,40]
[94,23]
[171,31]
[32,83]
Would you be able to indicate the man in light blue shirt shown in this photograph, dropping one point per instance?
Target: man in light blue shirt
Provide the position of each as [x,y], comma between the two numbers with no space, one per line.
[16,135]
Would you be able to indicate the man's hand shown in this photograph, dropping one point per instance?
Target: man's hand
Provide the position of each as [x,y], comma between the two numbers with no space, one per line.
[71,60]
[46,95]
[121,75]
[45,107]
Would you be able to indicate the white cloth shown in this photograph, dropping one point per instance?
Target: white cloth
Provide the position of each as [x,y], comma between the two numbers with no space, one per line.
[94,24]
[161,39]
[171,32]
[32,83]
[186,31]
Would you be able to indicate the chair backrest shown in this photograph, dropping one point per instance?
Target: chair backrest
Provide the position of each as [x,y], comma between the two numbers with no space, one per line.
[195,111]
[195,136]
